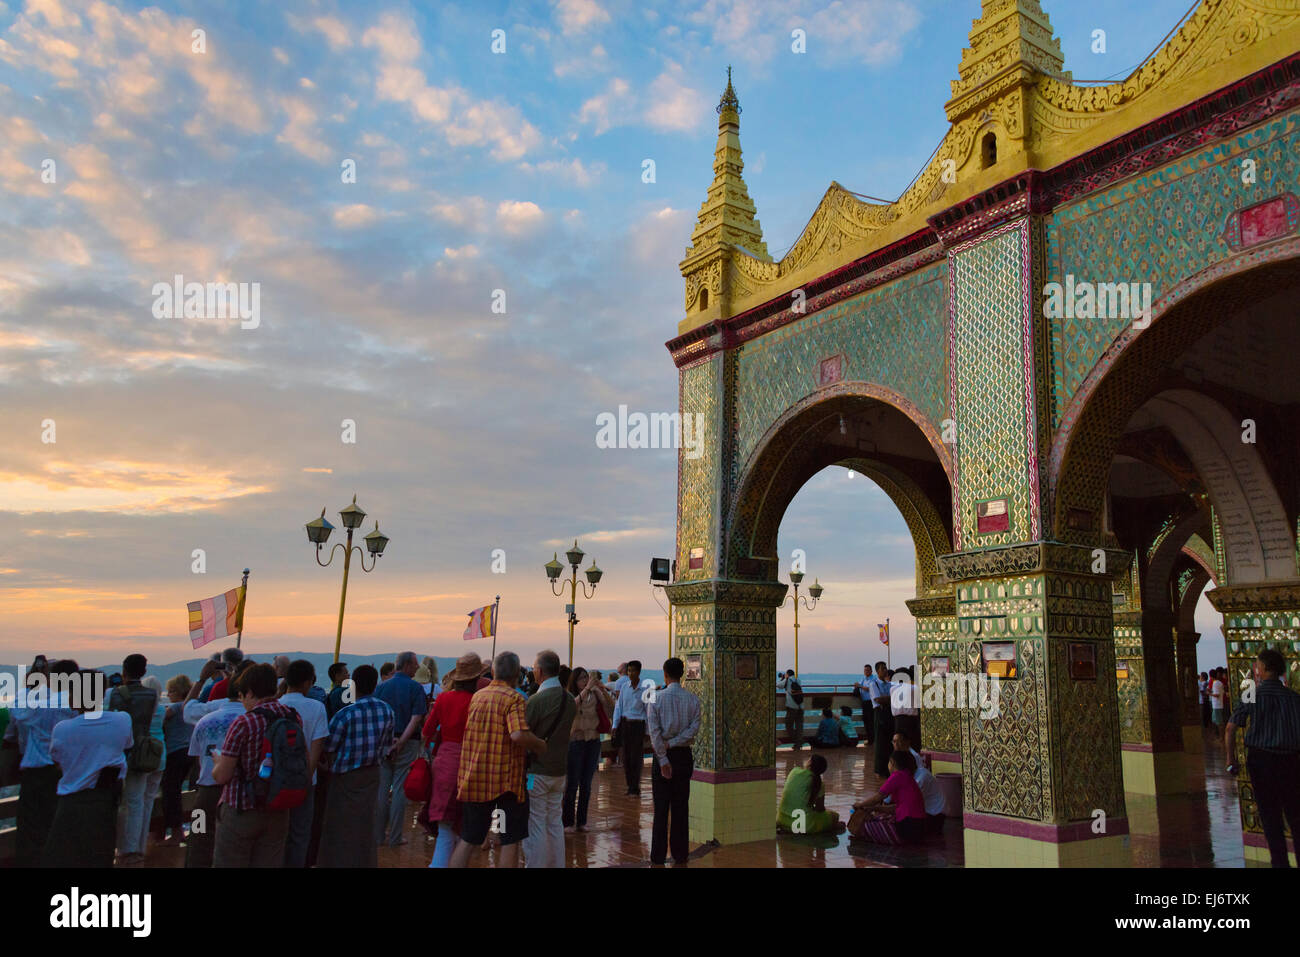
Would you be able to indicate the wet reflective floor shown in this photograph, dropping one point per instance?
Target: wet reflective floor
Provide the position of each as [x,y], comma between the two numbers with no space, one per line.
[1200,828]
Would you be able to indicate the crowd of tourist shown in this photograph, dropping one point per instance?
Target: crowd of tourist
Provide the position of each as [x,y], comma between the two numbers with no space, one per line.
[493,754]
[284,770]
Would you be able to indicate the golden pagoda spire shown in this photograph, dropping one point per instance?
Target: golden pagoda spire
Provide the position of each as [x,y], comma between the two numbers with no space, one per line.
[727,214]
[1012,40]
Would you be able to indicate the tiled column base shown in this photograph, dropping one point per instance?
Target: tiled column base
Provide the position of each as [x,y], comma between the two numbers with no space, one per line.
[1257,850]
[1193,739]
[1147,772]
[992,841]
[732,807]
[943,762]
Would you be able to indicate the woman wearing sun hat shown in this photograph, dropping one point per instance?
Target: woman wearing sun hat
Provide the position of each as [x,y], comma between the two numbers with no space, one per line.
[446,727]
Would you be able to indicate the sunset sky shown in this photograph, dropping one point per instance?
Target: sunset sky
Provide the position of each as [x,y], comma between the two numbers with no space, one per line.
[519,171]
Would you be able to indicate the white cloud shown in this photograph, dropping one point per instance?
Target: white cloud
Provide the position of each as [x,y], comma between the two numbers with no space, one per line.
[518,218]
[572,170]
[674,106]
[463,120]
[355,216]
[334,30]
[608,109]
[576,16]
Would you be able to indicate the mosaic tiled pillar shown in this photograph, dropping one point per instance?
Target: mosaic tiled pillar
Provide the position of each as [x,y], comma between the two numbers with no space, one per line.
[938,651]
[1189,694]
[726,633]
[1256,617]
[1041,770]
[1156,765]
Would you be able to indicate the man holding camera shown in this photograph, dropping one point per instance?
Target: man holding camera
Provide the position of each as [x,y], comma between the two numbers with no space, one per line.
[1272,751]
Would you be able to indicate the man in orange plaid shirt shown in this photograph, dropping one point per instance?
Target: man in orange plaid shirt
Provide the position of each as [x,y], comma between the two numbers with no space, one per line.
[491,785]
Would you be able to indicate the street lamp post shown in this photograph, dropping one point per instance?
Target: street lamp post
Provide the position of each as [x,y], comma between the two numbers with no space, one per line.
[318,533]
[815,590]
[553,570]
[661,573]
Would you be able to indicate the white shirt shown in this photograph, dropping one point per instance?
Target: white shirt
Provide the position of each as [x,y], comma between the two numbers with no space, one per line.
[195,709]
[784,684]
[315,725]
[85,745]
[209,733]
[931,794]
[904,698]
[1216,693]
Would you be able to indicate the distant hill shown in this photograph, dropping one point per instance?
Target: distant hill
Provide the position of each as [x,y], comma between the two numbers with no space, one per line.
[322,660]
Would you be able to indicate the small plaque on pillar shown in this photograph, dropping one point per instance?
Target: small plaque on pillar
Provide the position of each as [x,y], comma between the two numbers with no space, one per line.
[1121,670]
[746,667]
[938,666]
[1083,661]
[694,667]
[998,658]
[992,516]
[696,558]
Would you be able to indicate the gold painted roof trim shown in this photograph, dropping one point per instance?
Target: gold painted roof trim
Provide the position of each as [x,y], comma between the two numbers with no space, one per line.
[1010,84]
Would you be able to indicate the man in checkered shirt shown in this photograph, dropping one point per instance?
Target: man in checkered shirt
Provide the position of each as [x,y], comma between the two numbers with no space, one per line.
[249,836]
[492,781]
[361,734]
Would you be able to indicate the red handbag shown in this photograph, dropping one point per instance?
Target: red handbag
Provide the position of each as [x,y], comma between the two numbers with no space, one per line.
[419,780]
[603,725]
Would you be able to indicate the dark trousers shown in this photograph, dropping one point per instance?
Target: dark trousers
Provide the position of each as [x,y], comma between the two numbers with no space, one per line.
[317,814]
[84,828]
[633,752]
[869,722]
[794,726]
[583,758]
[672,807]
[910,725]
[201,841]
[884,734]
[37,795]
[1205,713]
[1276,780]
[174,774]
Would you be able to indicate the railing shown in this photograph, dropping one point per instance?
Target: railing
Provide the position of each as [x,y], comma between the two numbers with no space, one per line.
[815,698]
[9,809]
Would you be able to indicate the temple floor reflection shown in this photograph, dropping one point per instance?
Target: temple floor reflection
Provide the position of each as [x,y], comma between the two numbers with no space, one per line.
[1199,828]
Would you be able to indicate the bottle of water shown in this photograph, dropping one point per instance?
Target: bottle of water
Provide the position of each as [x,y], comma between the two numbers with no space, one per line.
[264,772]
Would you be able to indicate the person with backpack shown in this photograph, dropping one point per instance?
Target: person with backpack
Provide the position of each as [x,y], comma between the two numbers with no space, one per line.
[793,707]
[144,758]
[263,769]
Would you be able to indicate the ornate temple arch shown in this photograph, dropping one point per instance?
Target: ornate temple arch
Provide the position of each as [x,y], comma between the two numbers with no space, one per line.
[911,319]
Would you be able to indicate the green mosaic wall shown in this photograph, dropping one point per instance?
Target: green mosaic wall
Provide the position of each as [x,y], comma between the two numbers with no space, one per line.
[892,336]
[1161,227]
[697,519]
[995,434]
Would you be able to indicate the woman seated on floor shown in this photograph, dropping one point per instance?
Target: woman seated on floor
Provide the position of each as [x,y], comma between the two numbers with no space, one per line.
[803,801]
[828,731]
[848,731]
[903,820]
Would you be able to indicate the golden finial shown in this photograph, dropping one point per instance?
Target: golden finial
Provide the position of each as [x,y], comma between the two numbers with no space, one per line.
[729,100]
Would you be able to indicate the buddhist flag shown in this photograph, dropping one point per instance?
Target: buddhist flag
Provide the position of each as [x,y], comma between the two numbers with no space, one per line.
[482,623]
[214,618]
[884,633]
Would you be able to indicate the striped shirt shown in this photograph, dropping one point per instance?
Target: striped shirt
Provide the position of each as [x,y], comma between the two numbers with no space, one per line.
[1274,718]
[360,736]
[673,719]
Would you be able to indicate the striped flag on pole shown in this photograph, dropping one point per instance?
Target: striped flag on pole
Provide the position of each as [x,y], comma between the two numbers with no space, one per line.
[482,623]
[217,617]
[884,633]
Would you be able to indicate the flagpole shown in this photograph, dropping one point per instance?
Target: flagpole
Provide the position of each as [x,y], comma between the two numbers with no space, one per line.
[243,595]
[496,614]
[889,647]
